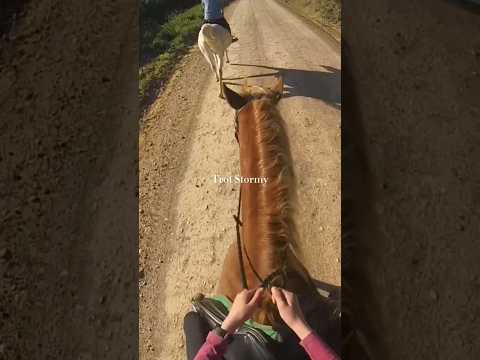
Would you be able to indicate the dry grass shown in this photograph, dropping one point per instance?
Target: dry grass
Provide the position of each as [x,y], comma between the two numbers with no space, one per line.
[327,13]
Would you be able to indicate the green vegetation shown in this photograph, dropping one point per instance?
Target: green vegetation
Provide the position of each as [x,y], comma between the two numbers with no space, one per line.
[328,13]
[164,39]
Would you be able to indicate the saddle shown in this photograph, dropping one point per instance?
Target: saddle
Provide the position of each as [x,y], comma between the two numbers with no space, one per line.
[264,342]
[252,341]
[223,23]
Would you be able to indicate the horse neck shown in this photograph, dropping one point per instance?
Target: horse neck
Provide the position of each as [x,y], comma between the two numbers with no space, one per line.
[265,207]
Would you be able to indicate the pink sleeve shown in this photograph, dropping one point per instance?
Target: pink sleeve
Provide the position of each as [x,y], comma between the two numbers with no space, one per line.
[317,349]
[213,348]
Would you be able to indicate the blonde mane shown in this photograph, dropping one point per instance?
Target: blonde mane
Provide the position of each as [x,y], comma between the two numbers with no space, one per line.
[276,232]
[268,233]
[275,197]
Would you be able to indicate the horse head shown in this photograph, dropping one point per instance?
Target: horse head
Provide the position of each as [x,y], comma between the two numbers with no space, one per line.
[249,93]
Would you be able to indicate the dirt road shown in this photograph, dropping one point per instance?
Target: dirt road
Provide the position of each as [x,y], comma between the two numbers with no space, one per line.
[187,138]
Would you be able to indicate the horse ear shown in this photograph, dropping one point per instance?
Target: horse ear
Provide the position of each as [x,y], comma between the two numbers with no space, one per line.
[234,99]
[277,89]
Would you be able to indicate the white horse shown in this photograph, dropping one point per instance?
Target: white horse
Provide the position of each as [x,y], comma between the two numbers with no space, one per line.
[213,41]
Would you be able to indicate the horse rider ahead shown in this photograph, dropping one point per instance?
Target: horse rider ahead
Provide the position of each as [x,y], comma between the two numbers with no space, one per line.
[213,14]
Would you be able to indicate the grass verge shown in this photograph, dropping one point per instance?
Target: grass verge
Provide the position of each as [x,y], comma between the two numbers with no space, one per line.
[167,46]
[326,13]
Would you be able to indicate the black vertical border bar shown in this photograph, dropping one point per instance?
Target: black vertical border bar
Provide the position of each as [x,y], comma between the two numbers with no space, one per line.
[69,180]
[410,179]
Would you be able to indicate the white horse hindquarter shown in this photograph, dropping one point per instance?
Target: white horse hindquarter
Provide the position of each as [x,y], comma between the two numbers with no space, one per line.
[213,41]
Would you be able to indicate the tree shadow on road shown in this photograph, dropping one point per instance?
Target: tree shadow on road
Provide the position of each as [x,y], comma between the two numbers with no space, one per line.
[323,85]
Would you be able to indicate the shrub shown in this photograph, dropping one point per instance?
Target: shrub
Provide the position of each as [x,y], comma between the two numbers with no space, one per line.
[163,47]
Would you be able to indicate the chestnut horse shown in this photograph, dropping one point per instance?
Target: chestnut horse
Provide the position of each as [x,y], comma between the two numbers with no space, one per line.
[267,233]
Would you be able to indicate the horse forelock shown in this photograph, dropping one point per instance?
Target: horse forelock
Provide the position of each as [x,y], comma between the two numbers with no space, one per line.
[254,92]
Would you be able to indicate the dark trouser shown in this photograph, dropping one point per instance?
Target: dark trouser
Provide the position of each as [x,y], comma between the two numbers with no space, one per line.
[196,331]
[222,22]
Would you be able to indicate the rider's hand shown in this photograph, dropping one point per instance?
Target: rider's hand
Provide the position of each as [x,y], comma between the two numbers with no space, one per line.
[242,309]
[290,311]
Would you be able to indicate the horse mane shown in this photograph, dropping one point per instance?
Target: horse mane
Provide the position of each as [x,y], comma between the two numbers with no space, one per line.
[276,198]
[275,244]
[277,195]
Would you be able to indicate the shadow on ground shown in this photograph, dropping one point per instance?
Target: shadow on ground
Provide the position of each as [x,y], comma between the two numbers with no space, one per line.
[322,85]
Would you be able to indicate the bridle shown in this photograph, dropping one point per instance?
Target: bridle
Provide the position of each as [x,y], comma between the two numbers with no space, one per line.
[279,274]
